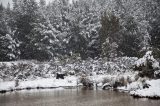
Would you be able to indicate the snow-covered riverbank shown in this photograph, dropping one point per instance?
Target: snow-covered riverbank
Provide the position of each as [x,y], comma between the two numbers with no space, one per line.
[67,82]
[147,89]
[39,83]
[33,74]
[117,74]
[152,92]
[136,89]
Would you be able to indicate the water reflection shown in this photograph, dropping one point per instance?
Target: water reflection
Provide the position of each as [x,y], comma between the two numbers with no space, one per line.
[61,97]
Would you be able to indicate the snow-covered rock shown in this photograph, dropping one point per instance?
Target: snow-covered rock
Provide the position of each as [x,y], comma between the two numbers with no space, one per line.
[152,92]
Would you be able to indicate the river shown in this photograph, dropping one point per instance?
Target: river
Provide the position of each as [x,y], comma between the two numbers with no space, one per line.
[72,97]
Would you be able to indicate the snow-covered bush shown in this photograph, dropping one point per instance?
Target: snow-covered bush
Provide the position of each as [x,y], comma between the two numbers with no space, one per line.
[147,65]
[119,80]
[24,70]
[157,74]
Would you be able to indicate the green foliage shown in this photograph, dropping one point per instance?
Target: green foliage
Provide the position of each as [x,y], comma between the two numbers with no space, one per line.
[155,38]
[155,29]
[130,38]
[109,34]
[26,16]
[77,42]
[44,31]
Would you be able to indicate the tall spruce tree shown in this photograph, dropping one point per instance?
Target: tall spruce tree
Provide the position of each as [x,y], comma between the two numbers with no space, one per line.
[109,35]
[7,43]
[26,16]
[130,42]
[155,29]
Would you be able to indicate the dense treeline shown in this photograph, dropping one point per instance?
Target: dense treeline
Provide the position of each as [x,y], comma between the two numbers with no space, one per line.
[85,28]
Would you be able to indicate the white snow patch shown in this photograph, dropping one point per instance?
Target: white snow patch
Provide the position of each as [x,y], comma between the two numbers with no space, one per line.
[69,81]
[152,91]
[7,85]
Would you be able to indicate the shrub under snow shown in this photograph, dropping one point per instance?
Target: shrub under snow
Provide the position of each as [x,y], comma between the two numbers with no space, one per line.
[24,70]
[147,65]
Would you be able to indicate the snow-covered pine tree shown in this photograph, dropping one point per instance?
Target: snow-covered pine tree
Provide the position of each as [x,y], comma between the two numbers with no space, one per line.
[8,44]
[155,29]
[26,16]
[85,28]
[45,36]
[90,27]
[130,42]
[109,34]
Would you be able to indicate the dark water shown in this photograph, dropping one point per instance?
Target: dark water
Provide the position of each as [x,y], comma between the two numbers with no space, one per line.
[72,98]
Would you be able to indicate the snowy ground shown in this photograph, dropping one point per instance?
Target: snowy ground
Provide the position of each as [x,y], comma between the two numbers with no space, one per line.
[152,92]
[33,75]
[134,88]
[70,81]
